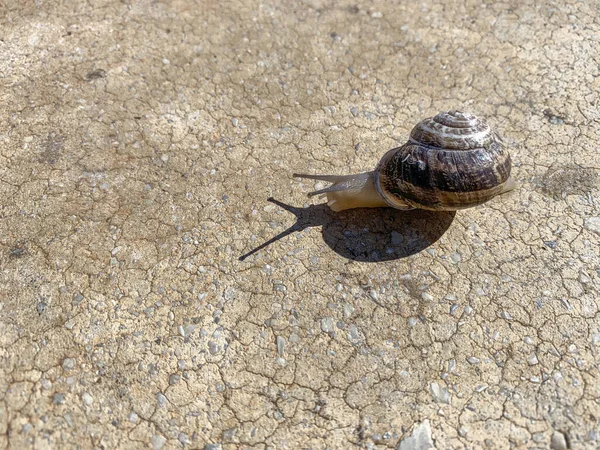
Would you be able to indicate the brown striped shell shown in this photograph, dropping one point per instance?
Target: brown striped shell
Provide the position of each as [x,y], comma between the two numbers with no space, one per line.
[451,161]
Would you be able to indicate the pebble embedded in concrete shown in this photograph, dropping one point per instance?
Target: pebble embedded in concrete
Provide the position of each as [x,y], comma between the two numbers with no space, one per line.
[419,439]
[440,393]
[327,324]
[158,442]
[87,399]
[558,441]
[68,363]
[280,345]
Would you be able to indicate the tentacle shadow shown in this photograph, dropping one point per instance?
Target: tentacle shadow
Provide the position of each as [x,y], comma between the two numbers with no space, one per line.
[369,235]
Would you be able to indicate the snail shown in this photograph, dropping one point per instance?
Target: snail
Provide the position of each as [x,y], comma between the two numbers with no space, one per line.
[451,161]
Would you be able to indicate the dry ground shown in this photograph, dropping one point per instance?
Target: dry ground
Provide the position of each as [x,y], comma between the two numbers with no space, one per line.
[139,143]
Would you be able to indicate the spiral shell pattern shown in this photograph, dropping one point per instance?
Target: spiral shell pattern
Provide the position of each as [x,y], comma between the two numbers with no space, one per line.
[451,161]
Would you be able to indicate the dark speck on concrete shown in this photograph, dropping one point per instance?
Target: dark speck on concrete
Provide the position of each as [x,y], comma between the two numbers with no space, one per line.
[96,74]
[554,119]
[41,307]
[17,251]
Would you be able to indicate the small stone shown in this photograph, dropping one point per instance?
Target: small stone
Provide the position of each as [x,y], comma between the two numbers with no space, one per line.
[41,307]
[439,393]
[213,348]
[229,434]
[592,224]
[557,376]
[451,365]
[566,304]
[186,330]
[212,447]
[376,15]
[455,257]
[58,399]
[161,399]
[184,439]
[348,309]
[419,439]
[558,441]
[174,379]
[327,324]
[473,360]
[506,315]
[133,417]
[77,299]
[532,360]
[412,321]
[280,345]
[353,333]
[373,294]
[157,442]
[427,296]
[584,278]
[462,431]
[396,238]
[68,364]
[87,399]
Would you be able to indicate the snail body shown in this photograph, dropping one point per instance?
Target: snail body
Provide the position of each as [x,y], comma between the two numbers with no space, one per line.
[451,161]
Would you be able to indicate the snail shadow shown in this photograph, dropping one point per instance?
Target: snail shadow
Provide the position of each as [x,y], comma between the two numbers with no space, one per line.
[368,235]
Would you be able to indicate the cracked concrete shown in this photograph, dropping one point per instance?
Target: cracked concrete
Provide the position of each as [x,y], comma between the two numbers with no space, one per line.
[139,142]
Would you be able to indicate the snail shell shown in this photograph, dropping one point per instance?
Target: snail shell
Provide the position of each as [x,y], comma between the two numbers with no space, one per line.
[451,161]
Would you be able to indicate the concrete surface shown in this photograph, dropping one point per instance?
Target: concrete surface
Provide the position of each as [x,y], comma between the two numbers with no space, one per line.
[139,143]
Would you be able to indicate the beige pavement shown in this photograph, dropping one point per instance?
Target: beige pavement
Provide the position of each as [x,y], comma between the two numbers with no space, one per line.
[139,143]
